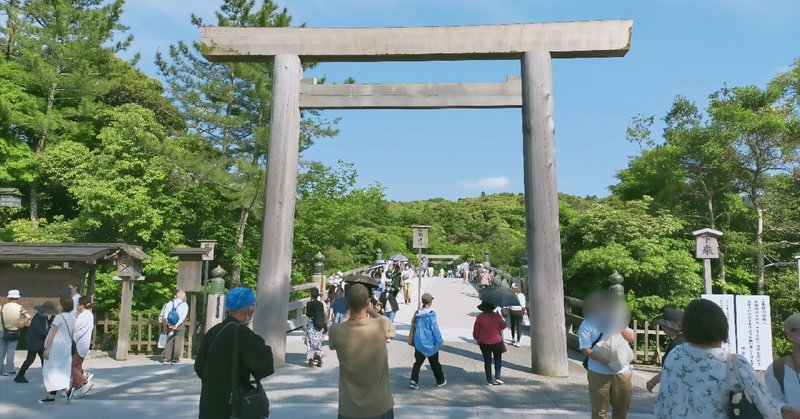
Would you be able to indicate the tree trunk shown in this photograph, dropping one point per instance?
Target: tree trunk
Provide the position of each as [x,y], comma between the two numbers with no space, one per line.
[236,274]
[761,288]
[12,10]
[40,143]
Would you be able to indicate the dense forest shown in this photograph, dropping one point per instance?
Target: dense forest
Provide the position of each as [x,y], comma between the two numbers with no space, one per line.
[104,153]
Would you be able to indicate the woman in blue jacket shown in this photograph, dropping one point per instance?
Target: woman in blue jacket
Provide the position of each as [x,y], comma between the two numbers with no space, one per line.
[427,340]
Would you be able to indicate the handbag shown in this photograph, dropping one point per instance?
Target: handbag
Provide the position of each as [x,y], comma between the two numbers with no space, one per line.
[740,405]
[8,335]
[412,329]
[162,341]
[526,321]
[250,403]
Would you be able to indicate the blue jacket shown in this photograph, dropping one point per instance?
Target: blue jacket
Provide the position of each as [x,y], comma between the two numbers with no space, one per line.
[427,336]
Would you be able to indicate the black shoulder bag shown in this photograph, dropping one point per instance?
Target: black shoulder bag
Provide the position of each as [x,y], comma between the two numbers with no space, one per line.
[250,403]
[586,360]
[8,335]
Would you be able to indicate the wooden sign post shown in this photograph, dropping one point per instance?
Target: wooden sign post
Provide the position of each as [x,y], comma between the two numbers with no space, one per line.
[707,248]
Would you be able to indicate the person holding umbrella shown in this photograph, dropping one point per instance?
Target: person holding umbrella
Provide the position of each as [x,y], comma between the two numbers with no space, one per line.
[487,331]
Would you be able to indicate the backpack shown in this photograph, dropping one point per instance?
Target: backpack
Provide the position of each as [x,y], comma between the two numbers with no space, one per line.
[173,317]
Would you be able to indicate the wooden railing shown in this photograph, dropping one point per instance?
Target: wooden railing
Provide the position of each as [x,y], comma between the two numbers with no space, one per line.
[647,342]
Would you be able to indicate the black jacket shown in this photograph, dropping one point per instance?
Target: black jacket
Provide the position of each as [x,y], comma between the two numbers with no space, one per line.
[214,362]
[37,333]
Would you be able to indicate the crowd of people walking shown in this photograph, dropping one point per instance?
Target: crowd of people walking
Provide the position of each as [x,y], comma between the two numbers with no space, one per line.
[59,335]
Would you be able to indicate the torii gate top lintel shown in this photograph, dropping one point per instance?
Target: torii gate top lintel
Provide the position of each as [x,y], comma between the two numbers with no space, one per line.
[598,38]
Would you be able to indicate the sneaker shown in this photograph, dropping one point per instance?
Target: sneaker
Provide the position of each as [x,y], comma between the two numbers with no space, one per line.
[516,344]
[89,376]
[47,400]
[442,384]
[412,385]
[70,394]
[83,390]
[21,380]
[498,382]
[489,383]
[175,362]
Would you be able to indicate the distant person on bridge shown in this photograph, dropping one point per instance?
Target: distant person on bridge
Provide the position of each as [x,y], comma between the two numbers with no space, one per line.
[670,323]
[423,267]
[365,390]
[406,277]
[230,354]
[516,313]
[338,306]
[427,338]
[485,278]
[488,332]
[315,329]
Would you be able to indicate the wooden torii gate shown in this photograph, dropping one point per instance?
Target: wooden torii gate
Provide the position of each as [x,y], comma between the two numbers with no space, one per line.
[534,44]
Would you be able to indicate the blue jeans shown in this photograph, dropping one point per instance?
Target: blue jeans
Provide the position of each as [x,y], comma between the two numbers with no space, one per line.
[390,315]
[7,351]
[337,317]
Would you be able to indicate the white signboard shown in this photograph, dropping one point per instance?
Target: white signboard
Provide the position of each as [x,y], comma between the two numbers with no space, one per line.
[726,303]
[707,248]
[420,240]
[754,330]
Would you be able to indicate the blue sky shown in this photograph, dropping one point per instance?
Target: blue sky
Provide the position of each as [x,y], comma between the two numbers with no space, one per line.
[679,47]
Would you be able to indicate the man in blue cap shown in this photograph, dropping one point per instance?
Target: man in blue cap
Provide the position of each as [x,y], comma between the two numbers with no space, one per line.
[214,363]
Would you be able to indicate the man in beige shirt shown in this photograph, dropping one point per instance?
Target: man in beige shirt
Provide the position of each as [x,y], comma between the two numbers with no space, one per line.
[14,317]
[360,344]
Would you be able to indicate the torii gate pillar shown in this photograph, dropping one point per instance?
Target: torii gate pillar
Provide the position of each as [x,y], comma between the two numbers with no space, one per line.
[543,239]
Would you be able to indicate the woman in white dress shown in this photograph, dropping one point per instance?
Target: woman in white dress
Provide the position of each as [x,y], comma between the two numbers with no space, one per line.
[57,369]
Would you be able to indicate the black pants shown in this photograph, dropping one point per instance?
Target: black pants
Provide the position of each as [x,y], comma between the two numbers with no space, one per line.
[492,351]
[419,358]
[29,361]
[516,324]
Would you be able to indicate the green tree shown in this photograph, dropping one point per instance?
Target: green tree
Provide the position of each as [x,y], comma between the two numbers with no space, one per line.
[64,47]
[227,109]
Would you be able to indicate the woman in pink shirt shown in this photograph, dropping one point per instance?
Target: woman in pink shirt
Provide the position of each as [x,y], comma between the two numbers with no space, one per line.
[488,332]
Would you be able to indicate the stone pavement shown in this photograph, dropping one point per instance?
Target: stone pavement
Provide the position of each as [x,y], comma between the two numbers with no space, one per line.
[143,388]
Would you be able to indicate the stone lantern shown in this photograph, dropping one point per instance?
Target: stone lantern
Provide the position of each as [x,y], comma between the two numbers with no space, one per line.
[616,284]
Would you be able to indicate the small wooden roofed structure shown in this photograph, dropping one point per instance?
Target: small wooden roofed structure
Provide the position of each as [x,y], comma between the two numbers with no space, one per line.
[39,282]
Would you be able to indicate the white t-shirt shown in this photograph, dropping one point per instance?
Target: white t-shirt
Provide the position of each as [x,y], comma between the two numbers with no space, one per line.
[75,299]
[83,332]
[587,334]
[522,303]
[791,383]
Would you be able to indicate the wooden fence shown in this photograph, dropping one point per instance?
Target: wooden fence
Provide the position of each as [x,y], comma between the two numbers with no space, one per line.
[145,329]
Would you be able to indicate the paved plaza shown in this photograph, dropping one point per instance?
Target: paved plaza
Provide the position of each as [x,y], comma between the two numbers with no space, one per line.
[143,388]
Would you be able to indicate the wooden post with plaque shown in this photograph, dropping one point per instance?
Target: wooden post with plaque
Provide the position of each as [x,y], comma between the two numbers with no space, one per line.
[707,248]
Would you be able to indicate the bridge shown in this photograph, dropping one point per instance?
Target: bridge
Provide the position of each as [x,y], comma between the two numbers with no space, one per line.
[140,387]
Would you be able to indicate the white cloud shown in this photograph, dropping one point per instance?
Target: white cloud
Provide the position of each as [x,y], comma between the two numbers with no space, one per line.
[498,182]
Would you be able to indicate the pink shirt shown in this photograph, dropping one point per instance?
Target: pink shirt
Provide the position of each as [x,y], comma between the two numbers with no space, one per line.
[488,328]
